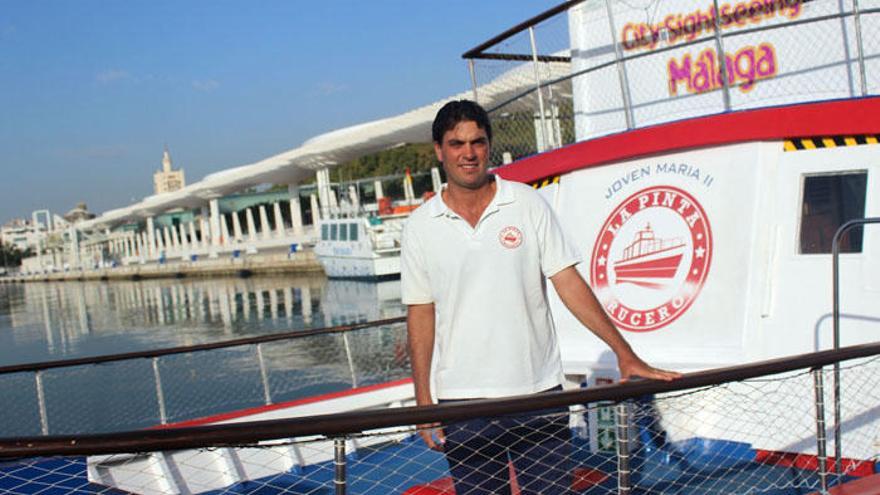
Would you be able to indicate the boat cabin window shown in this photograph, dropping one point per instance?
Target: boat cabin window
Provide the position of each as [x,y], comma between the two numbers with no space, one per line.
[353,235]
[343,232]
[829,201]
[325,232]
[333,231]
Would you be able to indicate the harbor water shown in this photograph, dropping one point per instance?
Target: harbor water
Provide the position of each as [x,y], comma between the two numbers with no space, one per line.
[54,321]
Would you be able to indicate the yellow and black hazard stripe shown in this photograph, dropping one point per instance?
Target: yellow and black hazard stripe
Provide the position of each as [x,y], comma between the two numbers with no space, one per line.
[812,143]
[538,184]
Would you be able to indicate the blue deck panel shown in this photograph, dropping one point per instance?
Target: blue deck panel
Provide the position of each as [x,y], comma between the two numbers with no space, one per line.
[697,466]
[55,476]
[386,469]
[686,468]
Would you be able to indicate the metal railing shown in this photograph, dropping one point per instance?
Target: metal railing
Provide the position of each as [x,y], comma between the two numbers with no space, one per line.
[641,433]
[587,104]
[354,365]
[835,274]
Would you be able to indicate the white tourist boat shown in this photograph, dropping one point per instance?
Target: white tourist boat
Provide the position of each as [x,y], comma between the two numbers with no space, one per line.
[744,178]
[361,247]
[704,211]
[208,470]
[703,201]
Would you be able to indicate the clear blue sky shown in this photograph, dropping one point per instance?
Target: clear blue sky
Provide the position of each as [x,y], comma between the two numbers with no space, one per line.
[91,90]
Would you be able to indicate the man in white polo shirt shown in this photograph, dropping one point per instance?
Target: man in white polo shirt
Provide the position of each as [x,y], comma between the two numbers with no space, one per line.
[474,263]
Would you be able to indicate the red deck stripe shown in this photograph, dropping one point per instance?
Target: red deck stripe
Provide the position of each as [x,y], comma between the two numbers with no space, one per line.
[831,118]
[283,405]
[869,485]
[851,467]
[583,478]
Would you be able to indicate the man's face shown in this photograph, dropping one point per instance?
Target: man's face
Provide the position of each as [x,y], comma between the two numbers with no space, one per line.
[464,153]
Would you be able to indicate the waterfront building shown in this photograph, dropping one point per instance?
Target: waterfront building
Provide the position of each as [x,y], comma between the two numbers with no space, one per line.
[19,233]
[268,207]
[168,179]
[78,213]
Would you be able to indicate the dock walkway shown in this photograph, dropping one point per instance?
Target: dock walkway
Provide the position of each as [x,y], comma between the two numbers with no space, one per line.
[303,262]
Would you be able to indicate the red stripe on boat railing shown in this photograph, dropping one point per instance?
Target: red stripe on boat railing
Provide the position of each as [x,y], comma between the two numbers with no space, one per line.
[831,118]
[869,485]
[583,478]
[283,405]
[850,467]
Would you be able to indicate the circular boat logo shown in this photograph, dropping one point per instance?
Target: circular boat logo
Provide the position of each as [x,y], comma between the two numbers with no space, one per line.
[651,258]
[510,237]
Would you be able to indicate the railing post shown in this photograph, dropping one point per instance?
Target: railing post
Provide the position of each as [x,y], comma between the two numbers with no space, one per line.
[835,322]
[624,484]
[538,87]
[556,133]
[621,72]
[160,396]
[821,441]
[41,402]
[860,51]
[354,382]
[473,72]
[264,375]
[339,464]
[722,59]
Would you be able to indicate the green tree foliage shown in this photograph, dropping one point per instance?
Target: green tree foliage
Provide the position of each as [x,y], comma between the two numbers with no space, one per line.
[11,256]
[515,133]
[419,157]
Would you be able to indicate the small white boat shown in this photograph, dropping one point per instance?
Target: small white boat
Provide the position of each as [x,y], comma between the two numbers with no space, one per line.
[361,247]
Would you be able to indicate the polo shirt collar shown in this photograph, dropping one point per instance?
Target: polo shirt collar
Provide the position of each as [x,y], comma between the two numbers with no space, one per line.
[436,206]
[503,195]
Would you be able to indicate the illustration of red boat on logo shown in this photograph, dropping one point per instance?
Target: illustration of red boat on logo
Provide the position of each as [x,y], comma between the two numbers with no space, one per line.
[651,258]
[648,261]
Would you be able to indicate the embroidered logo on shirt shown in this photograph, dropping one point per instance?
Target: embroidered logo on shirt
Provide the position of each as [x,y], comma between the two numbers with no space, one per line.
[510,237]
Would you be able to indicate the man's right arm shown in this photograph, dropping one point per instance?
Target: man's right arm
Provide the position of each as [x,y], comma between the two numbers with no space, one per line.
[420,337]
[420,334]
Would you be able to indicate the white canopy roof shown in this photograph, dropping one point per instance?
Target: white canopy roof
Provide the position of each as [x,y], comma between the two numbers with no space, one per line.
[326,150]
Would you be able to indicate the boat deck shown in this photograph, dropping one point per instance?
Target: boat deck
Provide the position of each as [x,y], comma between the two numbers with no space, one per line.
[410,468]
[56,476]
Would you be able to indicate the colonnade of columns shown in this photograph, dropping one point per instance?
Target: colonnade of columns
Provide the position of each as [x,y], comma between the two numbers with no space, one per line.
[211,233]
[326,203]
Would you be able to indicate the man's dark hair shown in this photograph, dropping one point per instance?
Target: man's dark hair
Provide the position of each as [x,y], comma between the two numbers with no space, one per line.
[459,111]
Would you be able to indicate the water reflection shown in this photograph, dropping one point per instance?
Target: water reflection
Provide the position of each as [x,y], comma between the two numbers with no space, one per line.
[41,322]
[46,321]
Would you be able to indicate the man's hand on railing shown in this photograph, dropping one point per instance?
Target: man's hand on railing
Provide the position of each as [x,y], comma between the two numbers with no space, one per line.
[433,436]
[634,368]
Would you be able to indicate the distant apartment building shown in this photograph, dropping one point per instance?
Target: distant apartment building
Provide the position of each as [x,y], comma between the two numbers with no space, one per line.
[20,233]
[167,180]
[43,226]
